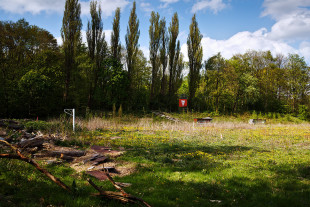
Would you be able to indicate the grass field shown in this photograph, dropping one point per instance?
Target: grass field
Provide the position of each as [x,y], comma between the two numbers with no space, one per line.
[226,163]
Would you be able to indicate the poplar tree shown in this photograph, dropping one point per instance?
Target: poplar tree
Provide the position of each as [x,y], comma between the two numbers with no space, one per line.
[194,56]
[154,33]
[132,45]
[97,46]
[164,39]
[173,33]
[71,37]
[115,43]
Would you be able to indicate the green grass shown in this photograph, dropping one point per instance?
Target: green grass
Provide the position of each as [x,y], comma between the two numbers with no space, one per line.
[220,164]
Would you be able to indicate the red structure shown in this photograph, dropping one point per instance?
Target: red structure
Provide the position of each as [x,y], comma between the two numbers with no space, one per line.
[182,103]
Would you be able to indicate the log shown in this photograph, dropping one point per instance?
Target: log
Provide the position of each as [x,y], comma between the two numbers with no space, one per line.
[34,142]
[66,157]
[59,153]
[75,153]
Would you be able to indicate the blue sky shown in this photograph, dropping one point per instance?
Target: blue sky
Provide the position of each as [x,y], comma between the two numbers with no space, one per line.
[228,26]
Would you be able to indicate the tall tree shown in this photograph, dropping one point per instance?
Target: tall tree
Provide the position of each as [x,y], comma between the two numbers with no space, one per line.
[97,46]
[297,76]
[173,33]
[215,67]
[195,57]
[25,48]
[132,46]
[115,43]
[164,38]
[71,37]
[154,33]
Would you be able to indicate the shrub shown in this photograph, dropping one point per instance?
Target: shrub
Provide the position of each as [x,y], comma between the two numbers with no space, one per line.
[303,112]
[36,125]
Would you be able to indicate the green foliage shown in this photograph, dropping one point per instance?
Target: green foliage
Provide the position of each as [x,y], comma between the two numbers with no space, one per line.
[132,46]
[303,112]
[22,64]
[38,78]
[36,125]
[254,115]
[155,36]
[115,42]
[71,38]
[195,58]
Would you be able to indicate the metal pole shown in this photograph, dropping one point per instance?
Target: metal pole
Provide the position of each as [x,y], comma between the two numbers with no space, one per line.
[73,114]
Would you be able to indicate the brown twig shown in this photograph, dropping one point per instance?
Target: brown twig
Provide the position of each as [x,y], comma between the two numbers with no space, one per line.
[113,182]
[122,196]
[20,156]
[109,194]
[126,195]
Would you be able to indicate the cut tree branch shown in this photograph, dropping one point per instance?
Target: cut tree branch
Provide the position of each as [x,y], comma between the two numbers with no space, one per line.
[20,156]
[121,196]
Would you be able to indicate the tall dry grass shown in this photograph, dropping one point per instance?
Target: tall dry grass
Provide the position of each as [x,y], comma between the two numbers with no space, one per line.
[149,124]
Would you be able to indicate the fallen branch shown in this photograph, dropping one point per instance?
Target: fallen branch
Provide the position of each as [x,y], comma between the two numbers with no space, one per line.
[121,196]
[20,156]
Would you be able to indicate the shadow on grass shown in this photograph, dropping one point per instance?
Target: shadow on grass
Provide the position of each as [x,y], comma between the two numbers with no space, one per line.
[233,191]
[184,158]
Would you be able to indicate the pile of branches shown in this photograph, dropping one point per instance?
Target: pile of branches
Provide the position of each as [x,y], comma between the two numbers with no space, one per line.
[121,195]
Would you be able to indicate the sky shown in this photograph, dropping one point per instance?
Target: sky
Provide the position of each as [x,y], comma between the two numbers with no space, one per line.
[227,26]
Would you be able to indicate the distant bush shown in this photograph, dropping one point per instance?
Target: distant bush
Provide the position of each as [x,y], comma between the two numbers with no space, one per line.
[303,112]
[41,126]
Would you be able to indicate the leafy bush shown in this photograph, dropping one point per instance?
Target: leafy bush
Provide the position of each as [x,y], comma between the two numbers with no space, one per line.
[303,112]
[36,125]
[41,126]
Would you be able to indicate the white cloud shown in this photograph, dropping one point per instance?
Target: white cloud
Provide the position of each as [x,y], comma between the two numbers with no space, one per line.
[292,19]
[279,9]
[166,3]
[107,6]
[294,27]
[32,6]
[147,7]
[59,40]
[244,41]
[108,34]
[304,50]
[84,40]
[214,5]
[38,6]
[146,52]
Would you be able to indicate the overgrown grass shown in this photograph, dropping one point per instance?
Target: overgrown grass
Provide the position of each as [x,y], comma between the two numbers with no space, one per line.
[225,163]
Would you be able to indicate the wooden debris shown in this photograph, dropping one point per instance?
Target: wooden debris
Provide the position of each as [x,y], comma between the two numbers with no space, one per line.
[100,175]
[121,196]
[20,156]
[124,185]
[106,151]
[66,157]
[110,169]
[33,142]
[161,114]
[73,153]
[2,133]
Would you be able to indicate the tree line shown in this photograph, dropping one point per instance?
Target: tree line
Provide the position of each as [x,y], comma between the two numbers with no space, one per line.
[40,78]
